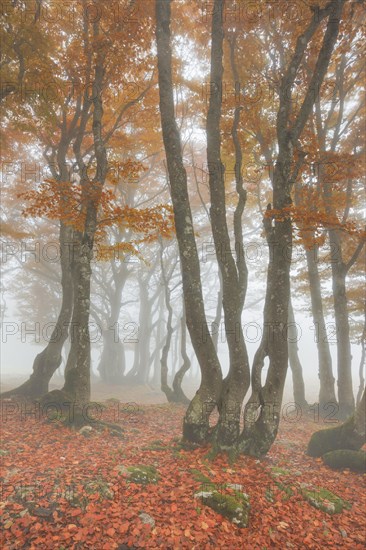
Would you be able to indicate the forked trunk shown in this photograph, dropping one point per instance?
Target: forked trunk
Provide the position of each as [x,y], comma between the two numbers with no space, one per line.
[196,420]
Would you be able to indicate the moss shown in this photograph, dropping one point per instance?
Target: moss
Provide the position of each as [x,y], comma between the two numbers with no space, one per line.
[156,445]
[99,486]
[325,500]
[198,476]
[354,460]
[333,439]
[3,452]
[233,507]
[285,489]
[277,472]
[142,474]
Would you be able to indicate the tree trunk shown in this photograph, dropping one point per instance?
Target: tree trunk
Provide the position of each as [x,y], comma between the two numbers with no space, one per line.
[344,358]
[47,362]
[169,332]
[77,371]
[158,344]
[139,372]
[234,273]
[179,395]
[327,391]
[257,437]
[361,367]
[295,364]
[196,420]
[113,362]
[215,326]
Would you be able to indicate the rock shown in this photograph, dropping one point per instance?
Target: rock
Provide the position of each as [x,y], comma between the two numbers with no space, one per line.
[233,507]
[325,500]
[86,431]
[354,460]
[147,519]
[344,436]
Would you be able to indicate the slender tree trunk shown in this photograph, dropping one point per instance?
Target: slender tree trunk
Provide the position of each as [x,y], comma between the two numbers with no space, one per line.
[140,373]
[295,363]
[344,358]
[327,380]
[196,420]
[169,332]
[157,364]
[113,362]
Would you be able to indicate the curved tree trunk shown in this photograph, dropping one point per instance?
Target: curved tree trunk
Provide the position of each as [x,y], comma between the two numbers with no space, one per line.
[169,332]
[47,362]
[178,378]
[196,421]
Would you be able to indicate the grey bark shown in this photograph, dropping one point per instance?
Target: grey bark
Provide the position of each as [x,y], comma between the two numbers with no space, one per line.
[234,272]
[196,420]
[259,435]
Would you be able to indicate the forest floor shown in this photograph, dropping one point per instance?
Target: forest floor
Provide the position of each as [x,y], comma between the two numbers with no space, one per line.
[65,490]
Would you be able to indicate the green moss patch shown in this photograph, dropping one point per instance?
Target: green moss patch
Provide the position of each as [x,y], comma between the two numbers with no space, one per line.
[156,445]
[325,500]
[277,472]
[199,476]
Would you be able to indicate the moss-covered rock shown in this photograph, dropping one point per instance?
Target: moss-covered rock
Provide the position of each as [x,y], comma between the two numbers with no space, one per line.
[325,500]
[354,460]
[233,507]
[142,474]
[344,436]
